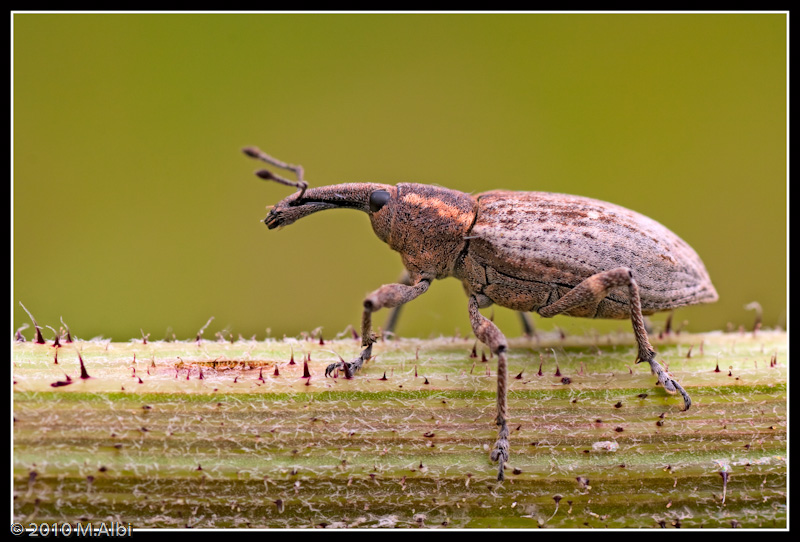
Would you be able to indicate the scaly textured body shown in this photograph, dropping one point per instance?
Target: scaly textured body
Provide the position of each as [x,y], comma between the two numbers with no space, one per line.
[536,246]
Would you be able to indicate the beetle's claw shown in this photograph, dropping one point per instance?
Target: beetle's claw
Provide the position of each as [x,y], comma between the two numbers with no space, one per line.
[501,475]
[687,401]
[332,367]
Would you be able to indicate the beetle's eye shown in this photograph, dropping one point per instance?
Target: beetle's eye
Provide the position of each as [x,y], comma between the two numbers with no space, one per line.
[378,199]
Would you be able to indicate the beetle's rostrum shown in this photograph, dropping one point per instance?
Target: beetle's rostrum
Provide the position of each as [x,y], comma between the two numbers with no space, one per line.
[528,251]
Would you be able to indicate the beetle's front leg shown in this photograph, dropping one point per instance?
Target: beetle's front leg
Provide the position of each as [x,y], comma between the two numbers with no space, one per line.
[591,291]
[388,295]
[394,316]
[488,333]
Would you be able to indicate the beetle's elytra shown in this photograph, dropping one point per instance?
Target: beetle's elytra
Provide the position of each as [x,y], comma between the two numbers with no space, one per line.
[528,251]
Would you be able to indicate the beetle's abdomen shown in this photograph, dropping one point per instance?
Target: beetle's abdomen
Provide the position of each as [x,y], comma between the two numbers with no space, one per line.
[554,241]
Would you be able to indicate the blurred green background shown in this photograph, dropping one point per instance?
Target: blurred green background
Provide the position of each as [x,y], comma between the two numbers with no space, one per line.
[134,209]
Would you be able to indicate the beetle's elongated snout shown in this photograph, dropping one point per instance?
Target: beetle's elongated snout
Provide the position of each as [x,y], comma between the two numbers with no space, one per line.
[338,196]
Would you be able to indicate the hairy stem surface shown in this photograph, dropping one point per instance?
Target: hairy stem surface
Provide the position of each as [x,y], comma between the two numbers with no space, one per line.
[220,434]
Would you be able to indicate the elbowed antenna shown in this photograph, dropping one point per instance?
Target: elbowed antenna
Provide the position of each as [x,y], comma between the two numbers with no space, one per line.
[267,175]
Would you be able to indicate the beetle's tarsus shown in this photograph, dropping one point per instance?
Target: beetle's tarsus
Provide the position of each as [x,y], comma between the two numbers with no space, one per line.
[347,366]
[350,368]
[665,379]
[687,401]
[501,451]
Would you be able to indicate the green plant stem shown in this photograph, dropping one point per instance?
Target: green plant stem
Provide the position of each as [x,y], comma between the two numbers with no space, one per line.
[148,441]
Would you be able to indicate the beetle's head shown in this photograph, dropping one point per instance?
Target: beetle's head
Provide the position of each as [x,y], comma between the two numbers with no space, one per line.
[427,224]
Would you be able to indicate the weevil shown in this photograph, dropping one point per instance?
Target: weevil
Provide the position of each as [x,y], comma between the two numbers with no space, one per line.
[528,251]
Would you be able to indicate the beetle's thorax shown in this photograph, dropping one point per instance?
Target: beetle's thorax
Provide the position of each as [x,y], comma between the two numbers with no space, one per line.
[427,227]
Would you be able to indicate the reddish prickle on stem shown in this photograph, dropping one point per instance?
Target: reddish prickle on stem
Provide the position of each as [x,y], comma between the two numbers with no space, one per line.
[84,374]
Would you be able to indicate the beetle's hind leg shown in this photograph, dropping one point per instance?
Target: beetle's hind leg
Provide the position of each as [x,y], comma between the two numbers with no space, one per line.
[591,292]
[488,333]
[389,295]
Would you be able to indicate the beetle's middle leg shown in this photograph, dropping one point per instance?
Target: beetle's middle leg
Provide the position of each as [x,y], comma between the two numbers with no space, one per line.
[388,295]
[488,333]
[591,292]
[391,322]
